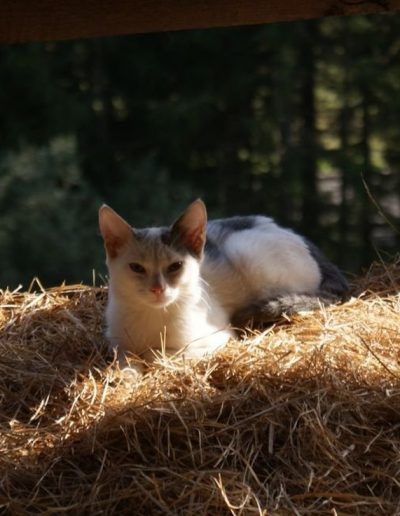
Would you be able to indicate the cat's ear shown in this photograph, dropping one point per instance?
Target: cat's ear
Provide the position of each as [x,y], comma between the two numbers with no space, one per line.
[190,229]
[116,232]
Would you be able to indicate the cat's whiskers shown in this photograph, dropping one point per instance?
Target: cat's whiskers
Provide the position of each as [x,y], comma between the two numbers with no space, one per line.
[205,295]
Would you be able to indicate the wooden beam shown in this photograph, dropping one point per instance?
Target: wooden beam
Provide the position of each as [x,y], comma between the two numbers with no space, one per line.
[44,20]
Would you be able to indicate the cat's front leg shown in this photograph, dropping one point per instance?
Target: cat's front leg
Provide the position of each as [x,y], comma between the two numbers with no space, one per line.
[131,373]
[205,346]
[130,368]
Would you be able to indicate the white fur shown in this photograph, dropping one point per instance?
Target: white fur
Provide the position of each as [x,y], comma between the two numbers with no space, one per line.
[192,324]
[263,262]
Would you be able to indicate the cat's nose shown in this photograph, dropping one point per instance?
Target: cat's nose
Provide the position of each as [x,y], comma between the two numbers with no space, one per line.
[157,289]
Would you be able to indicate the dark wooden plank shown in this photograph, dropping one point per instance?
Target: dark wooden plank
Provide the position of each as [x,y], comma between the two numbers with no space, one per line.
[41,20]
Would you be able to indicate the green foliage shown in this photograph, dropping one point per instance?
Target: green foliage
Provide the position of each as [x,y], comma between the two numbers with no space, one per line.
[48,217]
[281,119]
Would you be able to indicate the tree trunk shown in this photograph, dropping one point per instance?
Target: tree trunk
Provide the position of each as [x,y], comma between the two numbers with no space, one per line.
[366,209]
[308,138]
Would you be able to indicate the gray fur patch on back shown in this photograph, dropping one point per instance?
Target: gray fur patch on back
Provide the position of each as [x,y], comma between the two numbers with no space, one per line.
[238,223]
[219,229]
[333,281]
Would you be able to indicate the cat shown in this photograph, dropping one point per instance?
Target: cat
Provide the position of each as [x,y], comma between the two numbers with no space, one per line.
[185,288]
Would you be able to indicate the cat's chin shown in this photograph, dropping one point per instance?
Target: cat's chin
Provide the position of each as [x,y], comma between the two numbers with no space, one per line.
[159,303]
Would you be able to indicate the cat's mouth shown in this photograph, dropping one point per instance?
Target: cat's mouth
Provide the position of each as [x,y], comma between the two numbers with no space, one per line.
[161,300]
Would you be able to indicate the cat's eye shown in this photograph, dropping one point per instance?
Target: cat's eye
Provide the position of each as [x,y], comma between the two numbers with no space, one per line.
[175,267]
[136,267]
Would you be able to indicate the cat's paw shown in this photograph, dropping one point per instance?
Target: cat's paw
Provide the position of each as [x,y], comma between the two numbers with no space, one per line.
[131,373]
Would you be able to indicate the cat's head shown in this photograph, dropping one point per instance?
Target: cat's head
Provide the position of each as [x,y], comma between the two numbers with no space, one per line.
[155,266]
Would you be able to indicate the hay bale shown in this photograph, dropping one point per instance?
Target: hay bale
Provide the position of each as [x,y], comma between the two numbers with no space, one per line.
[301,419]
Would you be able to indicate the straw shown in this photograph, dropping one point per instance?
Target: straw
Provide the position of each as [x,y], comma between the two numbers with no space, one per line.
[303,418]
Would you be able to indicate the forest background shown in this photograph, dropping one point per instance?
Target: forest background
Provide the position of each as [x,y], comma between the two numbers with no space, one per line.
[300,121]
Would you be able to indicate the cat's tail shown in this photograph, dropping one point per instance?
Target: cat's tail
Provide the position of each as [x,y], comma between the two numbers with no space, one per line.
[333,283]
[268,311]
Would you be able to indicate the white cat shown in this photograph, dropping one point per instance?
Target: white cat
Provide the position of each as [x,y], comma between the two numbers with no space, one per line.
[182,288]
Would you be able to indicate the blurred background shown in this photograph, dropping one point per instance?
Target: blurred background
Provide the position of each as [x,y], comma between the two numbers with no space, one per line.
[300,121]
